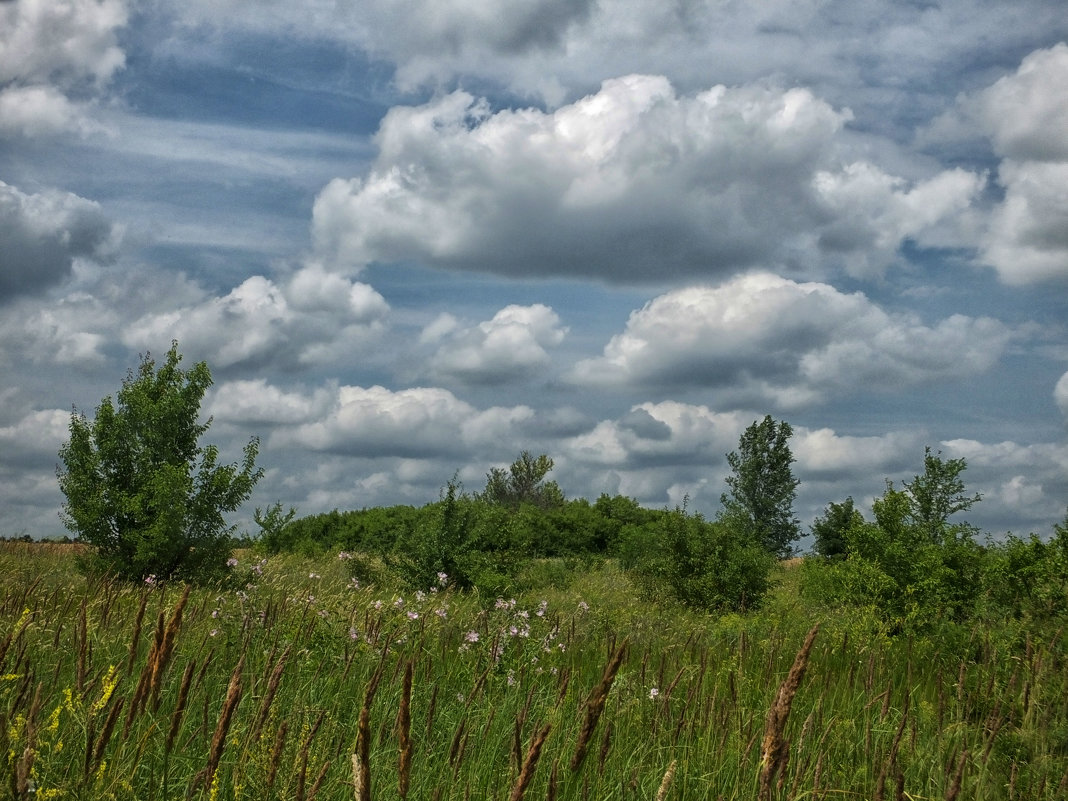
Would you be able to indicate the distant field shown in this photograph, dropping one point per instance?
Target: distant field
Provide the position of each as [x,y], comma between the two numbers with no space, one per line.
[299,683]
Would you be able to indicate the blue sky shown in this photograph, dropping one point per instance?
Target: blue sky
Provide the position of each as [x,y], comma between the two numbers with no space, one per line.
[414,238]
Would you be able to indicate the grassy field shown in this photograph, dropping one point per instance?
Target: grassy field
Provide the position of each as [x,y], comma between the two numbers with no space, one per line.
[299,683]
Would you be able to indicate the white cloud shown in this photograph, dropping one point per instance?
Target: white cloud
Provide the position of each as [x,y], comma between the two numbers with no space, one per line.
[1025,113]
[633,182]
[307,321]
[413,423]
[761,338]
[1026,117]
[1037,483]
[42,234]
[257,401]
[825,454]
[659,433]
[50,49]
[35,439]
[511,345]
[1060,394]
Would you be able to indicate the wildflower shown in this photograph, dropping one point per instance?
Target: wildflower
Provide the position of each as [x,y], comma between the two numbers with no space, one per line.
[231,562]
[542,607]
[441,612]
[583,607]
[213,632]
[654,693]
[511,678]
[413,615]
[151,580]
[344,555]
[377,606]
[354,584]
[399,602]
[353,634]
[420,596]
[443,579]
[215,613]
[471,636]
[314,575]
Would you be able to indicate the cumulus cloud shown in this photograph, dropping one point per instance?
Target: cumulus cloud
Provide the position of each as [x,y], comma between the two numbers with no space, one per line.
[1027,482]
[1026,117]
[634,182]
[35,439]
[42,234]
[412,423]
[1060,394]
[760,338]
[509,346]
[663,433]
[307,321]
[257,401]
[51,51]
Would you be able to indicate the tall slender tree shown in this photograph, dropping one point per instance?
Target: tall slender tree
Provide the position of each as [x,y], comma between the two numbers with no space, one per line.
[762,486]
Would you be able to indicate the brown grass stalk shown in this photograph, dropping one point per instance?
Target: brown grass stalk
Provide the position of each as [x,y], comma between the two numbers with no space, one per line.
[595,706]
[404,733]
[269,694]
[361,756]
[530,763]
[179,707]
[222,727]
[775,749]
[135,640]
[106,732]
[163,655]
[276,754]
[954,787]
[665,783]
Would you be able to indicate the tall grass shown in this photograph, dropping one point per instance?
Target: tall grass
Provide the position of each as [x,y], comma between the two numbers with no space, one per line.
[298,684]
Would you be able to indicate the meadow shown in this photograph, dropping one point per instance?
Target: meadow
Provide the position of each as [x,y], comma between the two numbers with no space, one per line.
[293,680]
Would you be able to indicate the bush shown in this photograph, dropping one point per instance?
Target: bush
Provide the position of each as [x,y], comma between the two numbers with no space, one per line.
[711,566]
[139,486]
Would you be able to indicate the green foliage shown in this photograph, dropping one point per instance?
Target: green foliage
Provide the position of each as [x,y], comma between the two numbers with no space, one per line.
[523,483]
[762,486]
[938,494]
[831,531]
[139,486]
[273,521]
[710,566]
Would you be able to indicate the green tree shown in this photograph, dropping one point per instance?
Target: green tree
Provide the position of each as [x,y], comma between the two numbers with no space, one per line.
[938,494]
[762,486]
[831,531]
[523,482]
[139,486]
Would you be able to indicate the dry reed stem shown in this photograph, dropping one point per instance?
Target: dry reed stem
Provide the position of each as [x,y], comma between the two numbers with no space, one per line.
[106,732]
[404,733]
[954,788]
[595,705]
[135,639]
[774,749]
[529,764]
[276,753]
[361,755]
[163,655]
[222,728]
[179,707]
[268,696]
[665,783]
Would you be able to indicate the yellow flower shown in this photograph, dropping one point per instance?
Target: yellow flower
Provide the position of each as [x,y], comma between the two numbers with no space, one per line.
[108,687]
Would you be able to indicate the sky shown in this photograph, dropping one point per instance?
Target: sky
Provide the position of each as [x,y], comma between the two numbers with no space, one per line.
[413,238]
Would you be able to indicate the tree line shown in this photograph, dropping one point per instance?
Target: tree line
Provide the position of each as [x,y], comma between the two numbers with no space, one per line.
[150,498]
